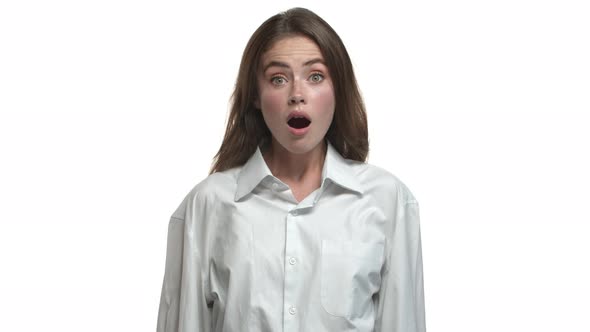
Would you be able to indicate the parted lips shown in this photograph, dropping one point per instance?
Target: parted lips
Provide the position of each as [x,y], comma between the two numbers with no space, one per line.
[298,120]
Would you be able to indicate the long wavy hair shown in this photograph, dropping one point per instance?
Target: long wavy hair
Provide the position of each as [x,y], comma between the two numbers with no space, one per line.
[246,129]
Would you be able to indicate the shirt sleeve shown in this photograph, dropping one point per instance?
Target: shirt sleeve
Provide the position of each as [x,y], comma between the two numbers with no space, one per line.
[400,300]
[183,306]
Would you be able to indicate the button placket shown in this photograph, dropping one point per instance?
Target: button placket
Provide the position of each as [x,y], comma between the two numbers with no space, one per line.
[292,281]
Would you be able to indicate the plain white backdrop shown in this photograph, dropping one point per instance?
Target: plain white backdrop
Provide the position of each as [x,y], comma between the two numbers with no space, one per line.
[111,111]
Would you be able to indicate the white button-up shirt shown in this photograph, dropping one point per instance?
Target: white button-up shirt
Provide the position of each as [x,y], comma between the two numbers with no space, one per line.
[244,255]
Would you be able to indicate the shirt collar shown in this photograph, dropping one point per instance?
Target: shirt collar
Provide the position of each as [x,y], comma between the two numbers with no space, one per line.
[252,173]
[340,171]
[336,169]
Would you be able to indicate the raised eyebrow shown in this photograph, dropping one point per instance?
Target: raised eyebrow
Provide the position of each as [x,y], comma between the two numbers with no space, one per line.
[284,65]
[275,64]
[312,61]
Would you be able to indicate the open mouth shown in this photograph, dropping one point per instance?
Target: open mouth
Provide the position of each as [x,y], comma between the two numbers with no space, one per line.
[298,122]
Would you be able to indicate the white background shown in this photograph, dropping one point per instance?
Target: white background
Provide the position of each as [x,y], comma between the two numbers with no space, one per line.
[110,112]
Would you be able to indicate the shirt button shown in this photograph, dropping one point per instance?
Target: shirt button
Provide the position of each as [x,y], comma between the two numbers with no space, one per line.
[294,212]
[275,186]
[292,260]
[292,310]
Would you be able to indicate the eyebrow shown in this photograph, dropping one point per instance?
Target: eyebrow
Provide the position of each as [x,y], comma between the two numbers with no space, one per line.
[285,65]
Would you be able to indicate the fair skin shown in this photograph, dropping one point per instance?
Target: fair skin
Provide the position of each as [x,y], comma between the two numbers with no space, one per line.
[294,82]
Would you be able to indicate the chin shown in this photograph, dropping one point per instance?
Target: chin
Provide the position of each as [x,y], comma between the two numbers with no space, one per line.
[300,146]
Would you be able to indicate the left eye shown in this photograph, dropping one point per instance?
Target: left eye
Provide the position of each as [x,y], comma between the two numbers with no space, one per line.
[317,77]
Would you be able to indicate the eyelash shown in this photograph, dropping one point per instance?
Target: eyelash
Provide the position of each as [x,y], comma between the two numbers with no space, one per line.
[318,74]
[322,77]
[275,77]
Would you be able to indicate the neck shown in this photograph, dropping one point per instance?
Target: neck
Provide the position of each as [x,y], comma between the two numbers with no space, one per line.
[296,168]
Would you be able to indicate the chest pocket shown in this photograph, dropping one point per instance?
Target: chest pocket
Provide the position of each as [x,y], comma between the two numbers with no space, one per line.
[350,275]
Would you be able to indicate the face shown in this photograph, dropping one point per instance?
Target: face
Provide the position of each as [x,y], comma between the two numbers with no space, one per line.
[296,95]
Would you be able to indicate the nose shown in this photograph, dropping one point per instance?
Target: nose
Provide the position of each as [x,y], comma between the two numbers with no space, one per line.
[296,96]
[296,99]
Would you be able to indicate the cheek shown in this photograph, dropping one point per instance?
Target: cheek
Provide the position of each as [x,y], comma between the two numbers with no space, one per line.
[271,101]
[271,105]
[325,101]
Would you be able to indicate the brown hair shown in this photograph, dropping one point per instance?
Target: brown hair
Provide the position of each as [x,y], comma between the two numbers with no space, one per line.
[246,128]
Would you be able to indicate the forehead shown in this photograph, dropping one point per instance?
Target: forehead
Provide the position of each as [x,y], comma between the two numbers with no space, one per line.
[292,47]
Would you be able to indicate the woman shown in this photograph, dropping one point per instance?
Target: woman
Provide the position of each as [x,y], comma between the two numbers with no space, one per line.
[292,230]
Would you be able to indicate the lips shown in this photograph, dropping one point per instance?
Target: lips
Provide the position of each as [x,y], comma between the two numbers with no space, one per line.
[298,120]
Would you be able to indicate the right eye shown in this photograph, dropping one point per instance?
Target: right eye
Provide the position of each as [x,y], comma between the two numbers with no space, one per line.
[278,80]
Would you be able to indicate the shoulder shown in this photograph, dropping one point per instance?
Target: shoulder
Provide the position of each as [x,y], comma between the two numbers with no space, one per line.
[387,193]
[379,182]
[216,187]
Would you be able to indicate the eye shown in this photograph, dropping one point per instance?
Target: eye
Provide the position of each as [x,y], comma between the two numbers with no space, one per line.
[278,80]
[316,77]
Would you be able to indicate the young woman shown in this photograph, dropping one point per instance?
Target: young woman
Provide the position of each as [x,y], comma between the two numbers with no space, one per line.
[292,230]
